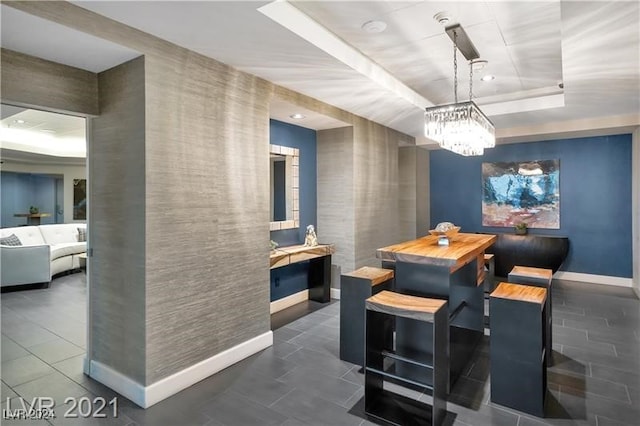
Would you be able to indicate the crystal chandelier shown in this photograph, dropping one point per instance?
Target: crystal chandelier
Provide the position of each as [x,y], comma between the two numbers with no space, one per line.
[460,127]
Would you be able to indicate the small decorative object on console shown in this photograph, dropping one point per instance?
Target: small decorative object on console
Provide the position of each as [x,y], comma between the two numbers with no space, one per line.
[274,245]
[521,228]
[310,239]
[33,210]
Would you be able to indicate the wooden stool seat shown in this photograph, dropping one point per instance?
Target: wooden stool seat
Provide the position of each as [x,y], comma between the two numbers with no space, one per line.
[403,305]
[355,288]
[540,274]
[523,293]
[373,274]
[427,369]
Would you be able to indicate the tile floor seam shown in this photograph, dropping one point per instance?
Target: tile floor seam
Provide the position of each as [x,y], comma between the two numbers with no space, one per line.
[50,364]
[292,352]
[33,380]
[626,387]
[585,392]
[349,381]
[29,381]
[595,341]
[280,399]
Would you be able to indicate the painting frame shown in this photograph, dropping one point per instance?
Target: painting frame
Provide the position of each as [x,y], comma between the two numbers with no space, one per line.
[516,192]
[79,199]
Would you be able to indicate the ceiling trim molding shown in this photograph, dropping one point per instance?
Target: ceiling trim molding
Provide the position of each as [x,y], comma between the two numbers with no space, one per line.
[291,18]
[524,105]
[596,126]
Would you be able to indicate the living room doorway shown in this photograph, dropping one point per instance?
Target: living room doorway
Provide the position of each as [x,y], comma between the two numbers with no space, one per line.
[44,330]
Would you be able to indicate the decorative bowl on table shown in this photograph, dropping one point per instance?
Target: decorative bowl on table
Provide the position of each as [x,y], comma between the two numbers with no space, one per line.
[447,229]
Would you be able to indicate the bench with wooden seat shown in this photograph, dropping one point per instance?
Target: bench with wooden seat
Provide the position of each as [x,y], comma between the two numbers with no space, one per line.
[355,288]
[383,359]
[517,347]
[538,277]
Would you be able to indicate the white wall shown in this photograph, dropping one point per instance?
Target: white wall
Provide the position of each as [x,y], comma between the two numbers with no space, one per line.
[69,172]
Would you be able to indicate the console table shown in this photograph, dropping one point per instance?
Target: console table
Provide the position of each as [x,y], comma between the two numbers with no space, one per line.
[538,251]
[33,219]
[454,273]
[319,258]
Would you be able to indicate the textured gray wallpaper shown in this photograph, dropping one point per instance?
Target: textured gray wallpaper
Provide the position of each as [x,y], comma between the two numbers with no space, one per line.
[117,205]
[423,192]
[336,218]
[413,164]
[207,210]
[407,198]
[30,81]
[376,189]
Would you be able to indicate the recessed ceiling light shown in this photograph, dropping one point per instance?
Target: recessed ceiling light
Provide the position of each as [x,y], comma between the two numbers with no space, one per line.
[479,64]
[443,18]
[297,116]
[19,121]
[374,27]
[488,77]
[47,131]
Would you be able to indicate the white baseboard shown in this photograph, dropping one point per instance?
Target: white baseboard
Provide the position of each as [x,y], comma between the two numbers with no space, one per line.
[594,279]
[335,293]
[146,396]
[289,301]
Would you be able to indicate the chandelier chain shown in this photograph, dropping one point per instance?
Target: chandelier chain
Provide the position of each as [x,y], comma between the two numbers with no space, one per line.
[470,80]
[455,67]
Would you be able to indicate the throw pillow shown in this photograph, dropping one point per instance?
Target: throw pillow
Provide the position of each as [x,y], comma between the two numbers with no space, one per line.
[11,240]
[82,234]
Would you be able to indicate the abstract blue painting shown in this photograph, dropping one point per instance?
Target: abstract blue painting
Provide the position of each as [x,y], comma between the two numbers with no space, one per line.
[521,192]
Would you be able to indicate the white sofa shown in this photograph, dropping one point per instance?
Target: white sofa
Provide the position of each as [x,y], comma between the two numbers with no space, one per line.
[46,250]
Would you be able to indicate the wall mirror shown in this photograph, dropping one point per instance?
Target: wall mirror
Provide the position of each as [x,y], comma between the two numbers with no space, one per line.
[284,187]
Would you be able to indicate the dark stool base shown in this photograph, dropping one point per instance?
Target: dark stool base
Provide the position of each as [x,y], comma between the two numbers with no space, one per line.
[399,410]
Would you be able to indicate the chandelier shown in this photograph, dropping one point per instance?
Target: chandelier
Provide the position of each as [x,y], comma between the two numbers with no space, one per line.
[460,127]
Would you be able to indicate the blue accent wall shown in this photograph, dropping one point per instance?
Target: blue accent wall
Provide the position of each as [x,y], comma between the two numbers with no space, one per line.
[595,197]
[19,191]
[293,279]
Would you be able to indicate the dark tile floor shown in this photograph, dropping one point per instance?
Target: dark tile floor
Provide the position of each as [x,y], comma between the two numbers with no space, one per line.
[595,379]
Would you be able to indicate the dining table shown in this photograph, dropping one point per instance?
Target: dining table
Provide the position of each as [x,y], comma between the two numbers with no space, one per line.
[453,271]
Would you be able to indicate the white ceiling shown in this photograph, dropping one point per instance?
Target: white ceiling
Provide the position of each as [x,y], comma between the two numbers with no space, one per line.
[44,39]
[319,49]
[41,133]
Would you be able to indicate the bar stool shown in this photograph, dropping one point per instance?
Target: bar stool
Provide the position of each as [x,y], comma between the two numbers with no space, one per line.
[382,310]
[355,288]
[490,265]
[517,347]
[540,278]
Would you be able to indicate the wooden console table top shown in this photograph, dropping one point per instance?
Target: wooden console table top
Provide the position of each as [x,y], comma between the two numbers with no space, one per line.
[32,215]
[283,256]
